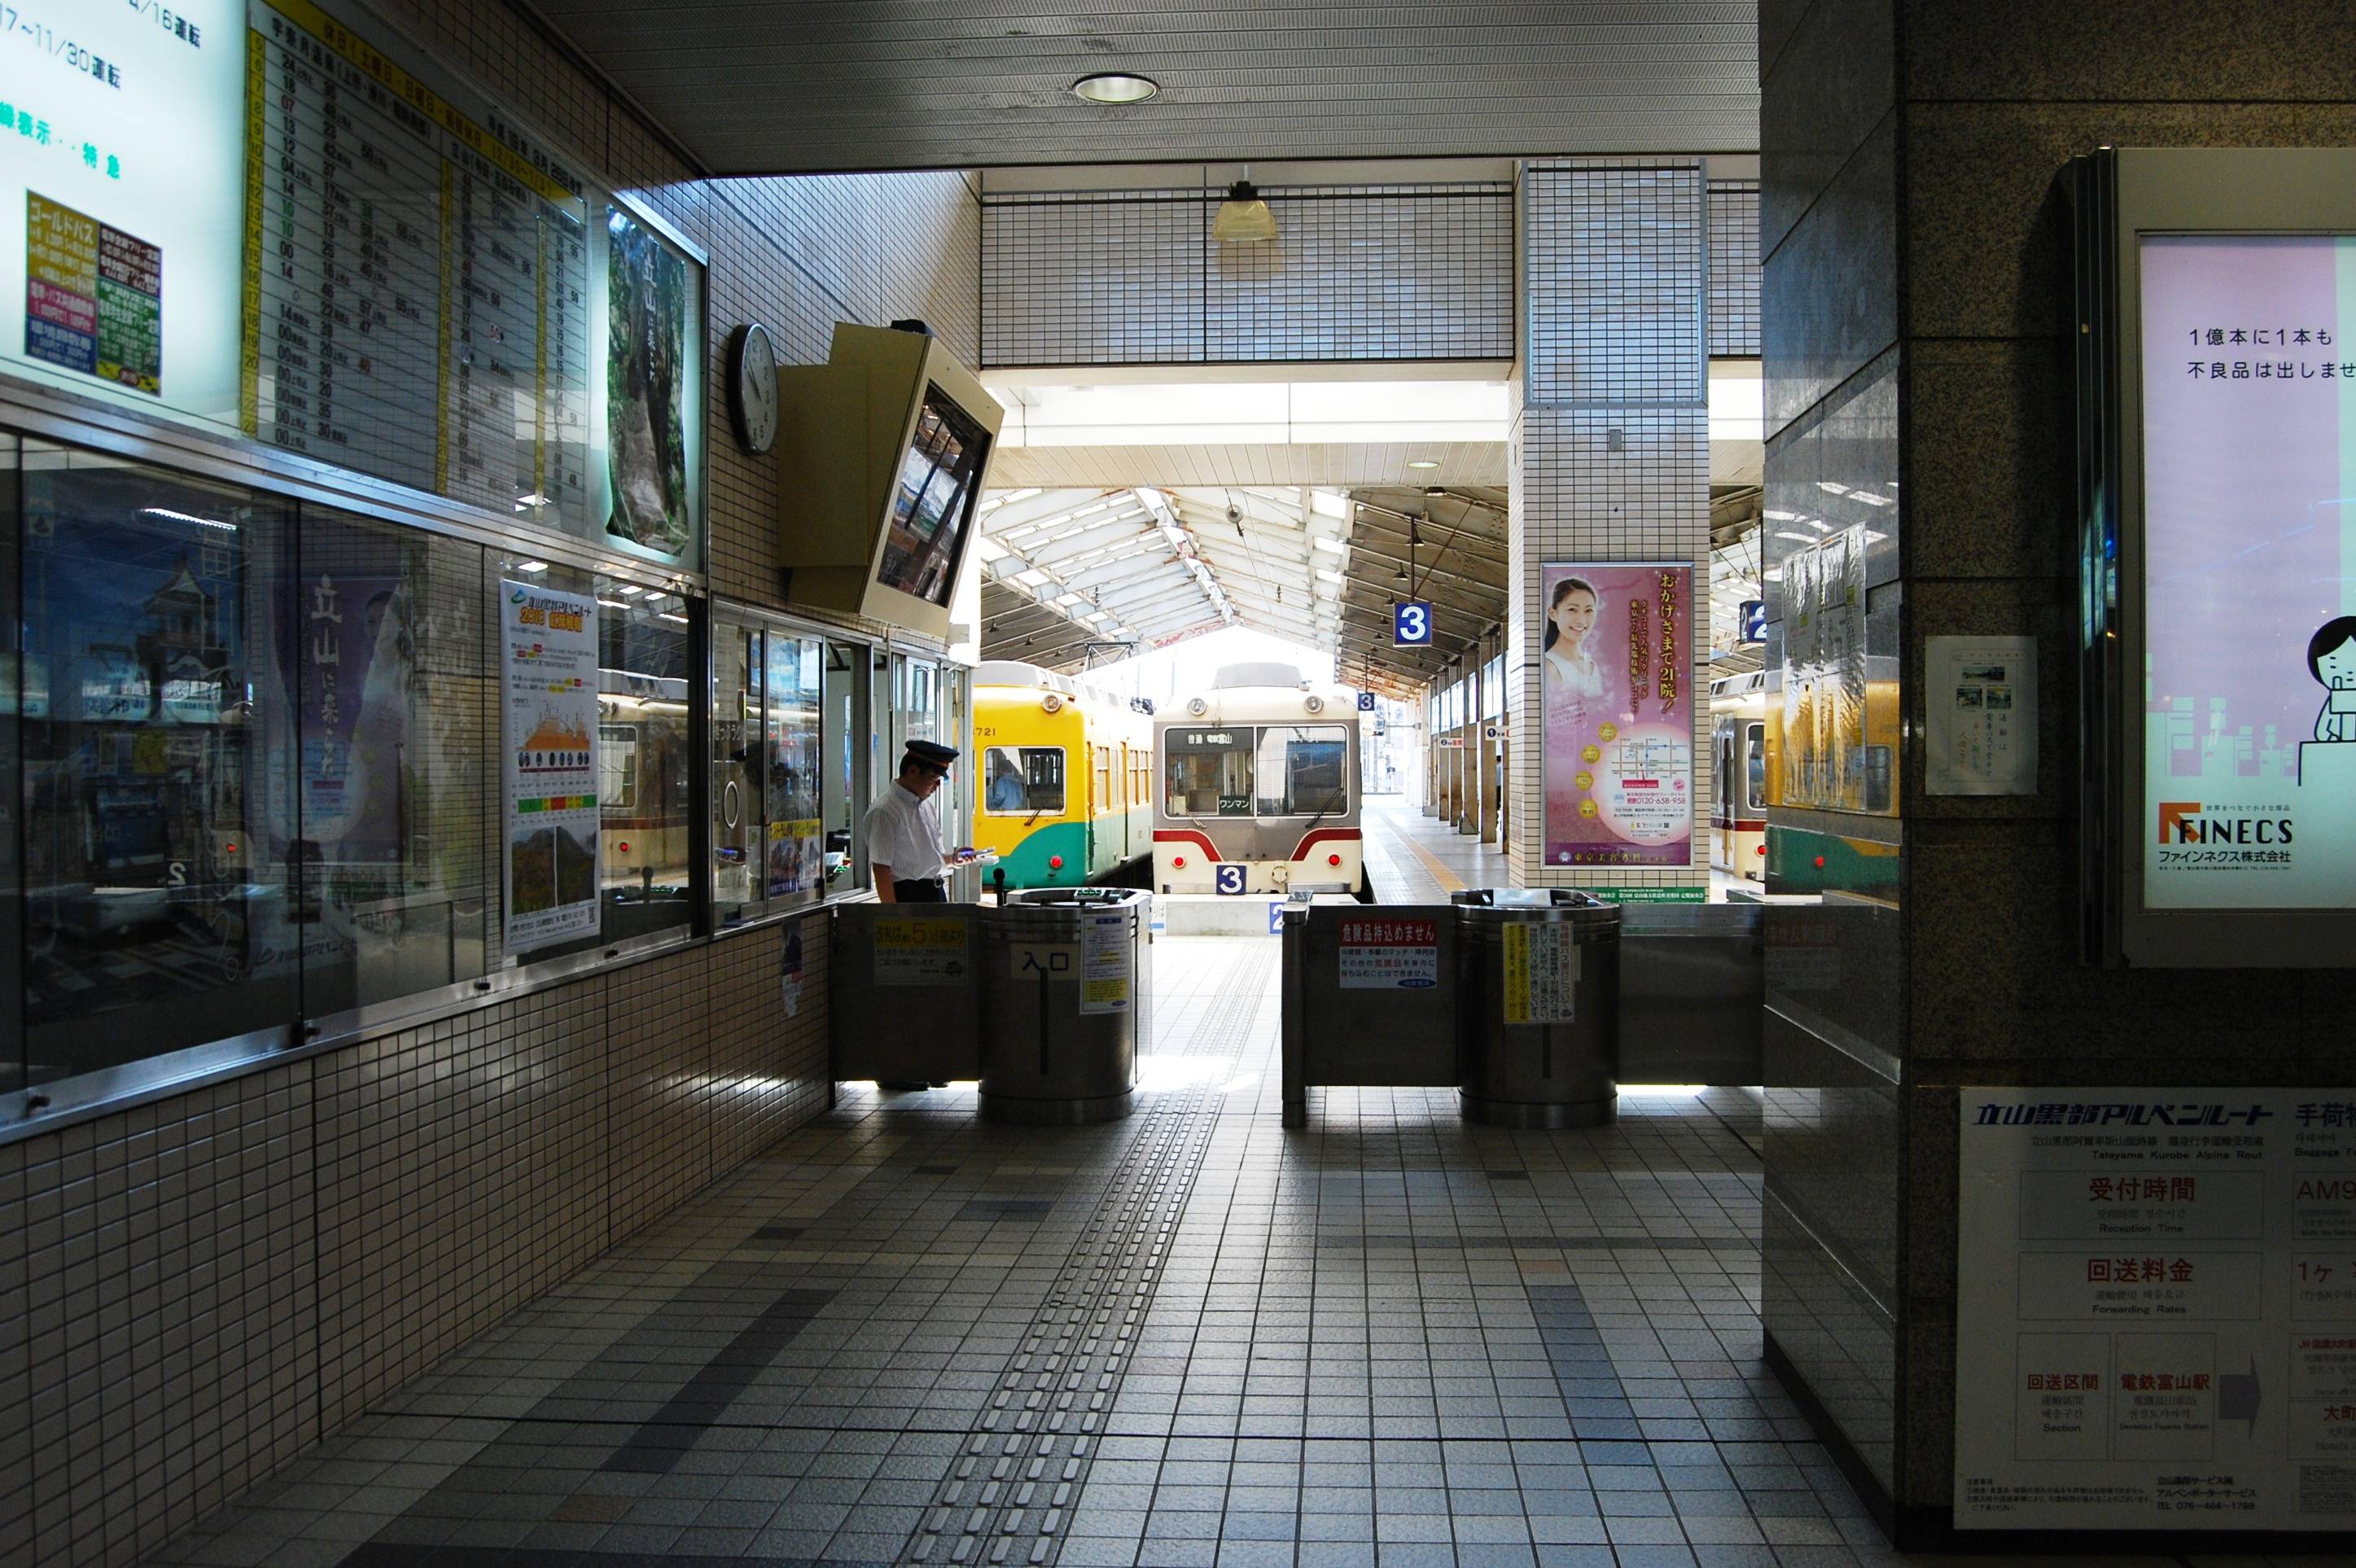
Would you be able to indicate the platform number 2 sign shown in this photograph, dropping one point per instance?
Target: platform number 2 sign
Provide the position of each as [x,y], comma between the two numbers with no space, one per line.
[1227,879]
[1411,624]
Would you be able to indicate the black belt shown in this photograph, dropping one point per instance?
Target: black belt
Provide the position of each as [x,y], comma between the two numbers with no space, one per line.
[926,890]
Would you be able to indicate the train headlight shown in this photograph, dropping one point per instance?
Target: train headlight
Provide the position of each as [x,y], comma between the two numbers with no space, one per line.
[1314,703]
[1052,702]
[1196,706]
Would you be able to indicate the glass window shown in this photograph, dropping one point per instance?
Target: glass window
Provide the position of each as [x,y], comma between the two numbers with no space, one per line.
[1755,784]
[736,756]
[156,753]
[843,689]
[643,664]
[797,872]
[1302,770]
[391,703]
[1208,772]
[1024,780]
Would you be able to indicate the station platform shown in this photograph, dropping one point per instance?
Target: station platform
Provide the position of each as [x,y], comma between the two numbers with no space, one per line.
[1414,859]
[900,1334]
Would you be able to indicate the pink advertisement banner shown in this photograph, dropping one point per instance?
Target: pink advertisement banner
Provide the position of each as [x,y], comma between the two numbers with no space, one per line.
[1616,673]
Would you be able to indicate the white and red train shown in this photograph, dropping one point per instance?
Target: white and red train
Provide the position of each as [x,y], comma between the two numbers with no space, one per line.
[1258,787]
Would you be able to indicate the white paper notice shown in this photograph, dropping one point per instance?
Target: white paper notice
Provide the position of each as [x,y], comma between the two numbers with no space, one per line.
[2156,1317]
[1981,715]
[548,669]
[1105,963]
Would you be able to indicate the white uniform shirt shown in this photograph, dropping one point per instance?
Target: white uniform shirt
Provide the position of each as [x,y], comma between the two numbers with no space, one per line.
[904,833]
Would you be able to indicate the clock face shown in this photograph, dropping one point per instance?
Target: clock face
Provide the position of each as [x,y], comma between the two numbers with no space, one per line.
[752,387]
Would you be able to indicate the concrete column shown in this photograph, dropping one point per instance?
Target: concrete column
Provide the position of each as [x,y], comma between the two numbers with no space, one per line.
[1609,449]
[1918,320]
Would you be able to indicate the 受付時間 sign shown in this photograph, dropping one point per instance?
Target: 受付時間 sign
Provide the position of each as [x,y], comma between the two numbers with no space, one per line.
[2156,1310]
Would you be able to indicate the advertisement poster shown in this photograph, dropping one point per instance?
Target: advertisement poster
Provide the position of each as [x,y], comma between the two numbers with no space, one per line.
[2249,410]
[357,658]
[796,849]
[548,671]
[120,234]
[1616,675]
[649,358]
[2156,1317]
[1980,711]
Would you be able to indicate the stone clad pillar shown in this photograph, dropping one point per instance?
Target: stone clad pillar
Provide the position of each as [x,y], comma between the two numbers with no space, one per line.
[1609,449]
[1921,482]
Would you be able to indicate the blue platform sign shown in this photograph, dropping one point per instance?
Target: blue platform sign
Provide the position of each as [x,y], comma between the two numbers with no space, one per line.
[1365,701]
[1751,621]
[1411,624]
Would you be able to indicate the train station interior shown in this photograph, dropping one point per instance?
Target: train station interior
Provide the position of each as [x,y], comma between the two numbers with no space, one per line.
[1527,782]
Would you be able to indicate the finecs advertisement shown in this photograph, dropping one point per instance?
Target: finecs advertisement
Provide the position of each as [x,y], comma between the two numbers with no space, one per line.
[1616,676]
[2249,406]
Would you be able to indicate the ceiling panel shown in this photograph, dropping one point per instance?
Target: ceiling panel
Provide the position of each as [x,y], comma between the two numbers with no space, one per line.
[771,86]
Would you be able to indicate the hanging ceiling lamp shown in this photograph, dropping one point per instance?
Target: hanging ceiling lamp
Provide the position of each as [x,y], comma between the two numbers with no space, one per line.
[1243,217]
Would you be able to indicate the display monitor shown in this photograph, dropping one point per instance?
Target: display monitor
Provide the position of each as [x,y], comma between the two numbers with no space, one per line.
[2217,379]
[932,505]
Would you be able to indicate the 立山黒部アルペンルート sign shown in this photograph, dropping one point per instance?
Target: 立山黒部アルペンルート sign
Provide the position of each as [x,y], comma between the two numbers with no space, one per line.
[2156,1309]
[1615,683]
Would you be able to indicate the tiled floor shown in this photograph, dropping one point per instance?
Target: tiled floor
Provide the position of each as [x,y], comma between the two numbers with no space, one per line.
[1191,1338]
[1414,859]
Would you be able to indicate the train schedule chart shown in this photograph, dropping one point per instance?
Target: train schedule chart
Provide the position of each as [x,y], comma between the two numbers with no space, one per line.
[2156,1309]
[417,285]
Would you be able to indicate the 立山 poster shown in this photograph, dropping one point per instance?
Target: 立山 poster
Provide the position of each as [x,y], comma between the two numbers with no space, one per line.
[1616,666]
[2249,577]
[548,674]
[357,656]
[647,355]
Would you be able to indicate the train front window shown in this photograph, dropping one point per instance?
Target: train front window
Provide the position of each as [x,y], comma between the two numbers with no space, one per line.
[1207,772]
[1304,770]
[1023,780]
[1755,774]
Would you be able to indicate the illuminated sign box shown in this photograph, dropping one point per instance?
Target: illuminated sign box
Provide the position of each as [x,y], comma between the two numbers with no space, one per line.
[2217,409]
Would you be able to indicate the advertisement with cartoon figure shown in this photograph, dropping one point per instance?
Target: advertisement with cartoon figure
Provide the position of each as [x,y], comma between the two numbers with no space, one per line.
[1616,676]
[2249,739]
[548,644]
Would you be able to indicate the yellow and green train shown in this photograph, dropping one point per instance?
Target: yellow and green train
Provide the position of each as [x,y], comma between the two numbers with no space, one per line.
[1063,777]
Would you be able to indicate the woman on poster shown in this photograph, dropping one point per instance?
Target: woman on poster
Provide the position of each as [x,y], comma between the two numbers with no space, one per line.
[1578,692]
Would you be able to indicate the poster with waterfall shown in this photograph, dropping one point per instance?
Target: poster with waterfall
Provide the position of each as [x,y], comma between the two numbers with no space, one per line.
[652,365]
[548,678]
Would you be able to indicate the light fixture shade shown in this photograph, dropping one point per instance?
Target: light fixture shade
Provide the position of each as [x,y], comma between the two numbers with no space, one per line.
[1243,217]
[1116,87]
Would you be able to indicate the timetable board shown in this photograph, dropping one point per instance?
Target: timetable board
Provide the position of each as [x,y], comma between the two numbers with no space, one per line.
[417,288]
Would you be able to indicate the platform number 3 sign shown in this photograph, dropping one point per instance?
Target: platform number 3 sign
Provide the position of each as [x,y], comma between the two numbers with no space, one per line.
[1411,624]
[1228,879]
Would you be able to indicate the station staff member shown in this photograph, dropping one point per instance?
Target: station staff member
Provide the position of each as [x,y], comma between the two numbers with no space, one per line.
[904,829]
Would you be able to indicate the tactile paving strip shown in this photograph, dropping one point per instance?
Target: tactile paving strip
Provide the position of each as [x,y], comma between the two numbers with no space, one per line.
[1008,1497]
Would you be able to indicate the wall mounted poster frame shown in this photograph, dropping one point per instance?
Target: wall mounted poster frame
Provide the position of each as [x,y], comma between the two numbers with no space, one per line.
[2218,556]
[548,679]
[1615,679]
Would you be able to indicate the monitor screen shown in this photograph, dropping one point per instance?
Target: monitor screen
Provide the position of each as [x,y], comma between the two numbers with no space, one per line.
[932,505]
[2249,571]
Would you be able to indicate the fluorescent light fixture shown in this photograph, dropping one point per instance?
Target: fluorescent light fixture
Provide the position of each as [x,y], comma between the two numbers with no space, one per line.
[1243,217]
[1795,533]
[1868,498]
[531,567]
[1115,86]
[1832,487]
[1423,463]
[630,590]
[1022,495]
[1337,546]
[615,604]
[169,515]
[667,614]
[1774,516]
[1325,574]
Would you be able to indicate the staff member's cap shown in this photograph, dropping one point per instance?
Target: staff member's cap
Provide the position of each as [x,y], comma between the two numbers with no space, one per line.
[930,753]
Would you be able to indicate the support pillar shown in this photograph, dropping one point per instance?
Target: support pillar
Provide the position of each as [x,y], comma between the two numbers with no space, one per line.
[1609,450]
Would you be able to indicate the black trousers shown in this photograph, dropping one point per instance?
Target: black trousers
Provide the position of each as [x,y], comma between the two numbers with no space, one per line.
[919,893]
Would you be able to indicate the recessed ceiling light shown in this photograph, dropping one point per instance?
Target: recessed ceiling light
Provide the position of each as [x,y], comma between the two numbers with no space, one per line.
[1115,86]
[1423,463]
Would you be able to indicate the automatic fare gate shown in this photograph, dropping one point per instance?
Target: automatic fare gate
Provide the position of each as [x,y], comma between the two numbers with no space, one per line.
[1370,999]
[902,989]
